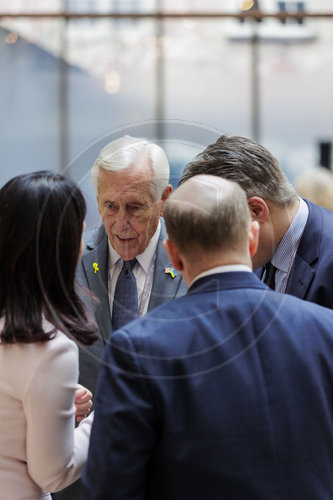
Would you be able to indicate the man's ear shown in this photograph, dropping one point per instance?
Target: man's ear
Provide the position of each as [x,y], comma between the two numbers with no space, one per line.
[173,254]
[165,195]
[254,237]
[259,209]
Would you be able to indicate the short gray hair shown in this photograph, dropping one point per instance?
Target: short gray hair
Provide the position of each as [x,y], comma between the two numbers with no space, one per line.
[246,162]
[122,154]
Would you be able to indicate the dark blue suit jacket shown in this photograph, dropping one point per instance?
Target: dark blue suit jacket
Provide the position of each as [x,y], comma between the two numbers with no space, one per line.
[223,394]
[311,276]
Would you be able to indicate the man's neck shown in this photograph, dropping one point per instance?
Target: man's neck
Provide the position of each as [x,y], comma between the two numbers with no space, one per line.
[231,268]
[192,269]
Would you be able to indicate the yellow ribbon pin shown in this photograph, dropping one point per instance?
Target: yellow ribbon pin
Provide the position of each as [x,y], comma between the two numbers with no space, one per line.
[95,266]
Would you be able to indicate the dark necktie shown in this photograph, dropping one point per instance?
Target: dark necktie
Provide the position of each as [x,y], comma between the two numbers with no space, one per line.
[125,300]
[270,275]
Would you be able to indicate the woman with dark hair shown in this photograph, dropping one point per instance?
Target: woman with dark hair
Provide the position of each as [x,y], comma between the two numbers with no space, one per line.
[41,317]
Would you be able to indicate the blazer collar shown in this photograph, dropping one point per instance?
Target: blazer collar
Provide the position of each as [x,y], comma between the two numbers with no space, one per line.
[97,254]
[303,270]
[224,281]
[164,287]
[309,245]
[94,237]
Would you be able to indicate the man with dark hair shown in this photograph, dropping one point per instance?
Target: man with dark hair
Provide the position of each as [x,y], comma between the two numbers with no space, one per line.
[225,393]
[296,236]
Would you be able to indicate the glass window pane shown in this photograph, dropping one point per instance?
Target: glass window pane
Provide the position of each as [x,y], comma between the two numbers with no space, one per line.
[67,87]
[296,80]
[29,99]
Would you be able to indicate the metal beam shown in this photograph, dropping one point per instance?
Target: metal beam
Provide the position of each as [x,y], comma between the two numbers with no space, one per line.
[169,15]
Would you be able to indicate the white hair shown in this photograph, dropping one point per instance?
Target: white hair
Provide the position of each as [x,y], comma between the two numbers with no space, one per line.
[123,153]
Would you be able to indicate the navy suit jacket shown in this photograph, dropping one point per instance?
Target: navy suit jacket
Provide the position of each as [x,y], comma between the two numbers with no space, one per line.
[311,276]
[164,288]
[223,394]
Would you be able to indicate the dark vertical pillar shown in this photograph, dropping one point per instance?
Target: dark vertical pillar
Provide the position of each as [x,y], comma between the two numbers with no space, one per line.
[282,7]
[300,8]
[325,150]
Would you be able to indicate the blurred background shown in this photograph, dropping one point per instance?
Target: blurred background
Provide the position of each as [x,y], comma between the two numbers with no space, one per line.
[75,74]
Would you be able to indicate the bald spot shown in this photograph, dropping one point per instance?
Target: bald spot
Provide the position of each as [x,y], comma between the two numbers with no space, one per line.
[204,193]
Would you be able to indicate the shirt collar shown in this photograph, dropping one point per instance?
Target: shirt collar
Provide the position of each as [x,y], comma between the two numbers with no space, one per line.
[143,258]
[222,269]
[285,252]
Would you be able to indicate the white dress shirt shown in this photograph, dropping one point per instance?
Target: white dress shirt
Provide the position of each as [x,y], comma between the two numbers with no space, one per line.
[143,272]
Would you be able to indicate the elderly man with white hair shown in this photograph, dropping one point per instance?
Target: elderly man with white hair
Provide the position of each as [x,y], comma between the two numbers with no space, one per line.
[131,177]
[124,263]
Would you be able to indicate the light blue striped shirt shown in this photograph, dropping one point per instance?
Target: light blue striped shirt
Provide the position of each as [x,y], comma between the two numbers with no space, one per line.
[284,255]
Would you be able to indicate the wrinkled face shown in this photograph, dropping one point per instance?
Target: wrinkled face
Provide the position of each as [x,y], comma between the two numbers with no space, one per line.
[129,211]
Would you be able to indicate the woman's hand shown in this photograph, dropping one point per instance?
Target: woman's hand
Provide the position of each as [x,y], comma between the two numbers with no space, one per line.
[82,402]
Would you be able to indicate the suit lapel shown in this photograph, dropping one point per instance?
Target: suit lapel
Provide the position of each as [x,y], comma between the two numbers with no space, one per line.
[300,277]
[98,281]
[302,271]
[164,287]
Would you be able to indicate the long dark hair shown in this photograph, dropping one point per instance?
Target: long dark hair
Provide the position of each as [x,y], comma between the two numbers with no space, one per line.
[41,219]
